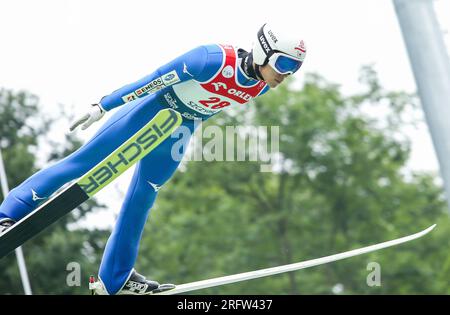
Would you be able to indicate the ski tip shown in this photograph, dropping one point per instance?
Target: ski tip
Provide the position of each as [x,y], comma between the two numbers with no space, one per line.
[427,230]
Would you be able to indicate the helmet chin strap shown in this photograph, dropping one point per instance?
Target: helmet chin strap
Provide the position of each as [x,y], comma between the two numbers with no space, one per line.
[258,73]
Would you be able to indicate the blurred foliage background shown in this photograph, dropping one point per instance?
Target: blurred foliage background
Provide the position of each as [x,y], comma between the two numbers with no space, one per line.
[340,184]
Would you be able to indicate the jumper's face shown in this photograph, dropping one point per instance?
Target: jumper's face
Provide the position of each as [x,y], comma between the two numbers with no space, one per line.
[271,77]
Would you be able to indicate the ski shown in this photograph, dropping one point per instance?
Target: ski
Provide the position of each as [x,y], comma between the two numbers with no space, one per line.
[291,267]
[121,159]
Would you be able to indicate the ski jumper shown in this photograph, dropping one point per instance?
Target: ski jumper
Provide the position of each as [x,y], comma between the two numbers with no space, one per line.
[198,84]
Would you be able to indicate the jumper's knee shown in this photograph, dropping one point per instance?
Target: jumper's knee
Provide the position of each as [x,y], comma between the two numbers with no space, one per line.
[16,206]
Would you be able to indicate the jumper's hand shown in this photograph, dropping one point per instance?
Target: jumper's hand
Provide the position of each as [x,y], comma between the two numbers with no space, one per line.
[95,113]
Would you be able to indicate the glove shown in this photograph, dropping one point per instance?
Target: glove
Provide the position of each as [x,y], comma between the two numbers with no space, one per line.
[95,113]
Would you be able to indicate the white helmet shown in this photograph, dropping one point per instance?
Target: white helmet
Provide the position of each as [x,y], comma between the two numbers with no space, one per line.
[282,53]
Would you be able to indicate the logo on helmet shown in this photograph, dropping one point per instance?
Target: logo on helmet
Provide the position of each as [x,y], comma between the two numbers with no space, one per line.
[301,49]
[264,44]
[273,37]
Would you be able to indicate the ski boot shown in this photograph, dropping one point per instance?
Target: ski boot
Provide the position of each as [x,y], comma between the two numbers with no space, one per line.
[5,224]
[136,285]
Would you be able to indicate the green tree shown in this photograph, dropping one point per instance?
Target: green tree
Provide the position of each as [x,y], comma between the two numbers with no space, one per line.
[341,184]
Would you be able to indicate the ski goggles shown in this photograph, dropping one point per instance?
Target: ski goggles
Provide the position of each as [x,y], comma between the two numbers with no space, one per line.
[284,64]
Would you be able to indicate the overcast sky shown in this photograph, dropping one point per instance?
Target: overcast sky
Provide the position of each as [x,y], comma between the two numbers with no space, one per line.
[73,52]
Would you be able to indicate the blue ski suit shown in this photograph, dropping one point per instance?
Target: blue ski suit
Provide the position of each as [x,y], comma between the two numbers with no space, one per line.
[198,84]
